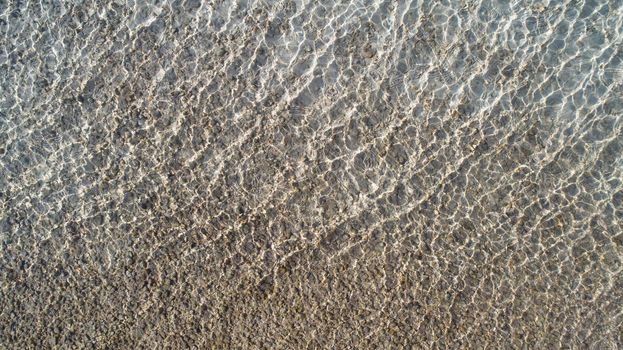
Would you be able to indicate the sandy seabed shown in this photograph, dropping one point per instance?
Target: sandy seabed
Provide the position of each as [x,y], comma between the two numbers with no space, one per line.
[311,174]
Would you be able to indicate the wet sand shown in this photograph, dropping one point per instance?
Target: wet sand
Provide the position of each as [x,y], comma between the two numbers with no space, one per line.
[311,175]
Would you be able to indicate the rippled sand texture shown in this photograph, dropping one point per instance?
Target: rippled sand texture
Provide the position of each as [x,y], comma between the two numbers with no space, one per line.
[321,175]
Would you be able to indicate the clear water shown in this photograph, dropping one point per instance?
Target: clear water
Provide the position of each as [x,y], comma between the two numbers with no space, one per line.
[311,174]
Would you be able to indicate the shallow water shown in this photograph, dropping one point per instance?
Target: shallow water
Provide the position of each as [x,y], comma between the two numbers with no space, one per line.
[276,174]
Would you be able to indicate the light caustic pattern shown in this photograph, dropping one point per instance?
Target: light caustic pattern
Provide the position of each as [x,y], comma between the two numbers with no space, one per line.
[311,174]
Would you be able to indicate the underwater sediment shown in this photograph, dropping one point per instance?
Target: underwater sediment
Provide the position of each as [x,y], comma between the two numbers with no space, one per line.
[311,174]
